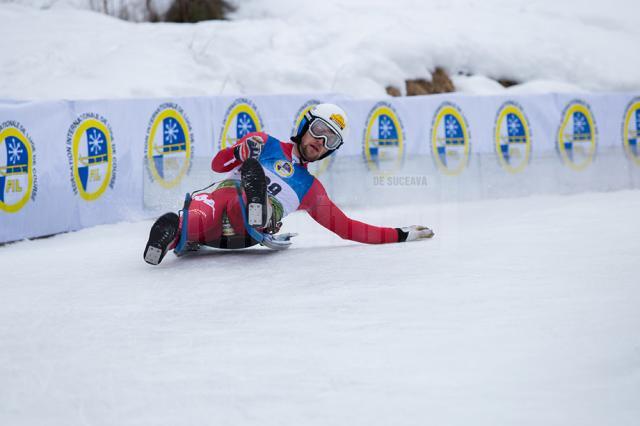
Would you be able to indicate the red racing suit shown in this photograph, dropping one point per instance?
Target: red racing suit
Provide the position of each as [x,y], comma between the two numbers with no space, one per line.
[290,187]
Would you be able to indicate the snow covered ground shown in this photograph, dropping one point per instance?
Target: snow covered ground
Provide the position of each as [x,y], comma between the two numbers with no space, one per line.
[356,47]
[519,312]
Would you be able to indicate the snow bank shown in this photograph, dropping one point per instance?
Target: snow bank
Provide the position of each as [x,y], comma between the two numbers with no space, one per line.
[286,46]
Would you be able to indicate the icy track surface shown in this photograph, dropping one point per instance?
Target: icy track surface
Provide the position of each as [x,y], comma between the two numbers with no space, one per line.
[519,312]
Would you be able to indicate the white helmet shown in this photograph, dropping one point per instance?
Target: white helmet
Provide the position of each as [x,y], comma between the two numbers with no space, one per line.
[328,122]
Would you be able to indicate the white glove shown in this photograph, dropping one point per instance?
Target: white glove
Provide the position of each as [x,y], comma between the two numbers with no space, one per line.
[414,232]
[278,241]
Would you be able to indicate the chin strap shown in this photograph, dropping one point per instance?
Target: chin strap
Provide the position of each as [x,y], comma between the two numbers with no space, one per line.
[297,139]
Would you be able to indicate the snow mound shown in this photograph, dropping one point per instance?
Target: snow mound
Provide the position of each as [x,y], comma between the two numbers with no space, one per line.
[291,46]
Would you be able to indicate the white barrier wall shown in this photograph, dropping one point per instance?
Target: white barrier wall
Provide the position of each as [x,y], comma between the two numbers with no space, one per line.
[66,165]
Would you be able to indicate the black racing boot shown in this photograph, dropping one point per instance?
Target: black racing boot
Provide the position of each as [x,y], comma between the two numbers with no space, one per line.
[163,232]
[254,184]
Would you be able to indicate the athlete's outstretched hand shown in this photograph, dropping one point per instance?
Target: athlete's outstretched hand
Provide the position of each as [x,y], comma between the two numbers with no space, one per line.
[250,148]
[414,233]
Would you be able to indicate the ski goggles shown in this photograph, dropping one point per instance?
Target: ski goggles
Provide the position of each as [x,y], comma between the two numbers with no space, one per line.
[321,130]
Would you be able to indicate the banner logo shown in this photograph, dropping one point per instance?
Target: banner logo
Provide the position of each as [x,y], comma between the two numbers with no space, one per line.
[512,138]
[450,139]
[242,117]
[631,131]
[91,154]
[17,167]
[316,168]
[577,136]
[383,139]
[168,145]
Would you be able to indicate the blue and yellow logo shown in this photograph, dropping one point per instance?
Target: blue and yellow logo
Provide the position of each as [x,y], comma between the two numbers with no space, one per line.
[450,139]
[242,117]
[383,139]
[512,138]
[577,136]
[631,131]
[90,151]
[283,168]
[316,168]
[169,144]
[17,167]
